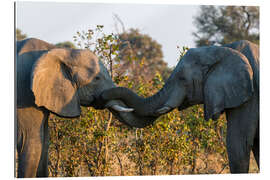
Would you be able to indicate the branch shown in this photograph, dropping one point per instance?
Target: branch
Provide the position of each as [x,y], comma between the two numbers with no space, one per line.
[222,169]
[120,164]
[111,61]
[248,21]
[117,18]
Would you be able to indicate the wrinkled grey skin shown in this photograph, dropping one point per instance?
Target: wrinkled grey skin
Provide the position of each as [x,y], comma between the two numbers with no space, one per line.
[53,80]
[224,79]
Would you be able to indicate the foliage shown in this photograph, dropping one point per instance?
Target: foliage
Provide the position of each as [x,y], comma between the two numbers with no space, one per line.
[65,44]
[182,51]
[79,141]
[97,144]
[106,47]
[20,35]
[140,50]
[226,24]
[128,52]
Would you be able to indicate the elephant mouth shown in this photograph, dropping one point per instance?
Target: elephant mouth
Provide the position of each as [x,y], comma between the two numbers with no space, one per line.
[91,101]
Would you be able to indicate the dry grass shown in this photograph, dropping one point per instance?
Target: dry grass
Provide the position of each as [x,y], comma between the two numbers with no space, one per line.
[212,164]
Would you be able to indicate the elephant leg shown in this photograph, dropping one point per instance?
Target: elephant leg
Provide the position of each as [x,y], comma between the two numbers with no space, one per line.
[256,148]
[43,163]
[238,151]
[29,158]
[30,140]
[241,130]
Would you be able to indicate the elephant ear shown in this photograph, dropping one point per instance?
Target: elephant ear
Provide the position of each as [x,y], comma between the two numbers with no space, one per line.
[52,84]
[228,82]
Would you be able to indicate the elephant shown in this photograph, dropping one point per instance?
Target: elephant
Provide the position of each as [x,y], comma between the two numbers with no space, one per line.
[59,81]
[32,44]
[223,79]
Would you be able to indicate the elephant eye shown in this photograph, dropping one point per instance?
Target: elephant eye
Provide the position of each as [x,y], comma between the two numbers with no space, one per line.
[97,78]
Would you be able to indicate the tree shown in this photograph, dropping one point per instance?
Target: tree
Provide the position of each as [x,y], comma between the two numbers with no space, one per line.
[66,44]
[20,35]
[225,24]
[140,54]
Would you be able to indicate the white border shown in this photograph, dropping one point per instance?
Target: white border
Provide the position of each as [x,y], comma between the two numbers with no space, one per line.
[7,78]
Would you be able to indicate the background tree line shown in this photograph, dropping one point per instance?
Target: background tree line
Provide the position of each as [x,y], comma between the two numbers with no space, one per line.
[97,144]
[225,24]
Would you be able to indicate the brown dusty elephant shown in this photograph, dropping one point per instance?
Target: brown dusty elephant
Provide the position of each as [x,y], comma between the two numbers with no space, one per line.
[224,79]
[59,81]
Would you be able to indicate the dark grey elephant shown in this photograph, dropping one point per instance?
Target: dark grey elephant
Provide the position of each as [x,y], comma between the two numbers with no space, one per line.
[54,80]
[224,79]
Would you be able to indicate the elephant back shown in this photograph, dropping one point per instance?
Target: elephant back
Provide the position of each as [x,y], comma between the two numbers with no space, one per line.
[32,44]
[251,51]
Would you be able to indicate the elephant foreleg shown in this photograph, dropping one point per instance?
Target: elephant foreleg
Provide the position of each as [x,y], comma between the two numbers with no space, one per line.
[242,123]
[256,148]
[238,151]
[31,145]
[29,158]
[43,164]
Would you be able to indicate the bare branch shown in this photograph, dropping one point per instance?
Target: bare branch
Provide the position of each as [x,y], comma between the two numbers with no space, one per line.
[118,19]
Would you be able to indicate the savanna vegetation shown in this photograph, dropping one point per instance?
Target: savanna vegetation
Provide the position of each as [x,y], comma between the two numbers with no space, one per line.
[97,144]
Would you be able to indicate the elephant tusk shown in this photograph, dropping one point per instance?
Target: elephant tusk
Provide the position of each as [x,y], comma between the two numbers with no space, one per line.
[121,109]
[163,110]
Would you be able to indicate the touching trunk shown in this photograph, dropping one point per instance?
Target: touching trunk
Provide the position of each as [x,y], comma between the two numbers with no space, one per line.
[170,96]
[146,110]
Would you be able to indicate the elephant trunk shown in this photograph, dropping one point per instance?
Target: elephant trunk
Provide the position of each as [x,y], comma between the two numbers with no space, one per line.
[142,106]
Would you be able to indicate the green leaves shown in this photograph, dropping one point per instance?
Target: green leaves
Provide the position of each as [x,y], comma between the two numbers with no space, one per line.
[182,51]
[158,80]
[105,46]
[20,35]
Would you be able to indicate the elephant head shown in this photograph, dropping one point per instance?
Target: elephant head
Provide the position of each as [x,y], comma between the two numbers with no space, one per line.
[218,77]
[64,79]
[61,80]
